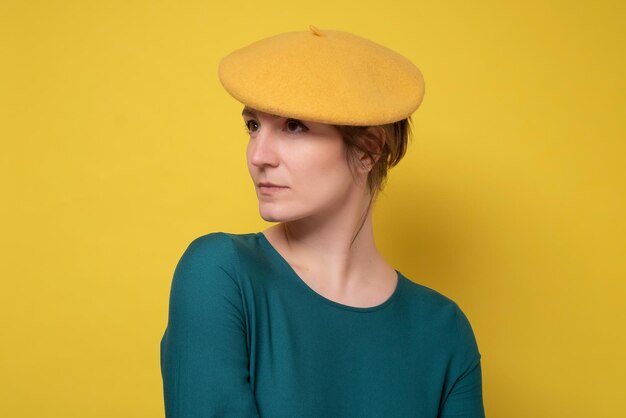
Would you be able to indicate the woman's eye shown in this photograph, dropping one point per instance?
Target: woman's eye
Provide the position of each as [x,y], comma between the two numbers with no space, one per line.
[293,125]
[251,125]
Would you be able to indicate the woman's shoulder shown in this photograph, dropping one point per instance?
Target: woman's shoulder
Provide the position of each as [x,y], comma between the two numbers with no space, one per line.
[221,242]
[208,241]
[227,249]
[444,316]
[211,259]
[438,308]
[428,297]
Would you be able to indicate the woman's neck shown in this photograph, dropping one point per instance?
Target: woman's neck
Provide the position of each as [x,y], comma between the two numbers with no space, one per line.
[328,255]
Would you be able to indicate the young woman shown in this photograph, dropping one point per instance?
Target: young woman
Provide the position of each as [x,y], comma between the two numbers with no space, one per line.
[306,318]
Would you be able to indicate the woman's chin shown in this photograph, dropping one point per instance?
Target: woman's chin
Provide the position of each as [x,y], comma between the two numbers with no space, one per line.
[271,218]
[270,214]
[274,213]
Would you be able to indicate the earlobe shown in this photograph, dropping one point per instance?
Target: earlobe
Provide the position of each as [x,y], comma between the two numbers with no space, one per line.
[366,164]
[376,146]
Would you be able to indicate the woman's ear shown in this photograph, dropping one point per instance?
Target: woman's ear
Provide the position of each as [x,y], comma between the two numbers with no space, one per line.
[374,144]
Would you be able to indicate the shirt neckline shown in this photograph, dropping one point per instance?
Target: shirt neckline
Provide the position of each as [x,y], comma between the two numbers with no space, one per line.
[324,299]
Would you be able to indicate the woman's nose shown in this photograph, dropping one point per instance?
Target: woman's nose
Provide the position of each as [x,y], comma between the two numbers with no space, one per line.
[263,148]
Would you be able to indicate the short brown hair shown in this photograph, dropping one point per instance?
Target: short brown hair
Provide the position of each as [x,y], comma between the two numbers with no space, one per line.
[358,138]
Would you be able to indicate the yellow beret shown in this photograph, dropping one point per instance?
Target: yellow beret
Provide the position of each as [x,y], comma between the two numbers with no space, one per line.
[328,76]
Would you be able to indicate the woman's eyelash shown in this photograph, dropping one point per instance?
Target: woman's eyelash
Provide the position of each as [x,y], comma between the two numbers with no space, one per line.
[304,128]
[246,125]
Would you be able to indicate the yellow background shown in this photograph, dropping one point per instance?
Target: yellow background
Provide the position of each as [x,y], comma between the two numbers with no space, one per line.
[119,147]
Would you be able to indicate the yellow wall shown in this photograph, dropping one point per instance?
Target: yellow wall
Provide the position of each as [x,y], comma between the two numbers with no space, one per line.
[119,147]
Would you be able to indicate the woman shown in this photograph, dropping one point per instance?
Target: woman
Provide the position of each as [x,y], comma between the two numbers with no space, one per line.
[306,318]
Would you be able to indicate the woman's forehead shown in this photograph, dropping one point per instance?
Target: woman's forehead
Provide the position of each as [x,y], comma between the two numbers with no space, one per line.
[251,112]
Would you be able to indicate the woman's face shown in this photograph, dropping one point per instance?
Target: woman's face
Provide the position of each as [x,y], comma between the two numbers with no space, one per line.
[307,160]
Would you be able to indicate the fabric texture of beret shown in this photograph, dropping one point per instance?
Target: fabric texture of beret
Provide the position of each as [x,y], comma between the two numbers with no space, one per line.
[327,76]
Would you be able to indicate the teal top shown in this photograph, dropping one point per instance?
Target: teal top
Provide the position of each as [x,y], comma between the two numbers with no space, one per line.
[247,337]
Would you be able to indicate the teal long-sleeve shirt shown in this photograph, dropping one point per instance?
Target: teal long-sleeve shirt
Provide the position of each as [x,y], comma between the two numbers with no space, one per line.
[247,337]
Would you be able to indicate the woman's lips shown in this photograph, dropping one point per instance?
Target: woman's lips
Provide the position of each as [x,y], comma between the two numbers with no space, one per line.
[268,190]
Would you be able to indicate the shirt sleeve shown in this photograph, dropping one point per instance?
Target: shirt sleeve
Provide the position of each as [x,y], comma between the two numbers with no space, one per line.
[464,399]
[204,354]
